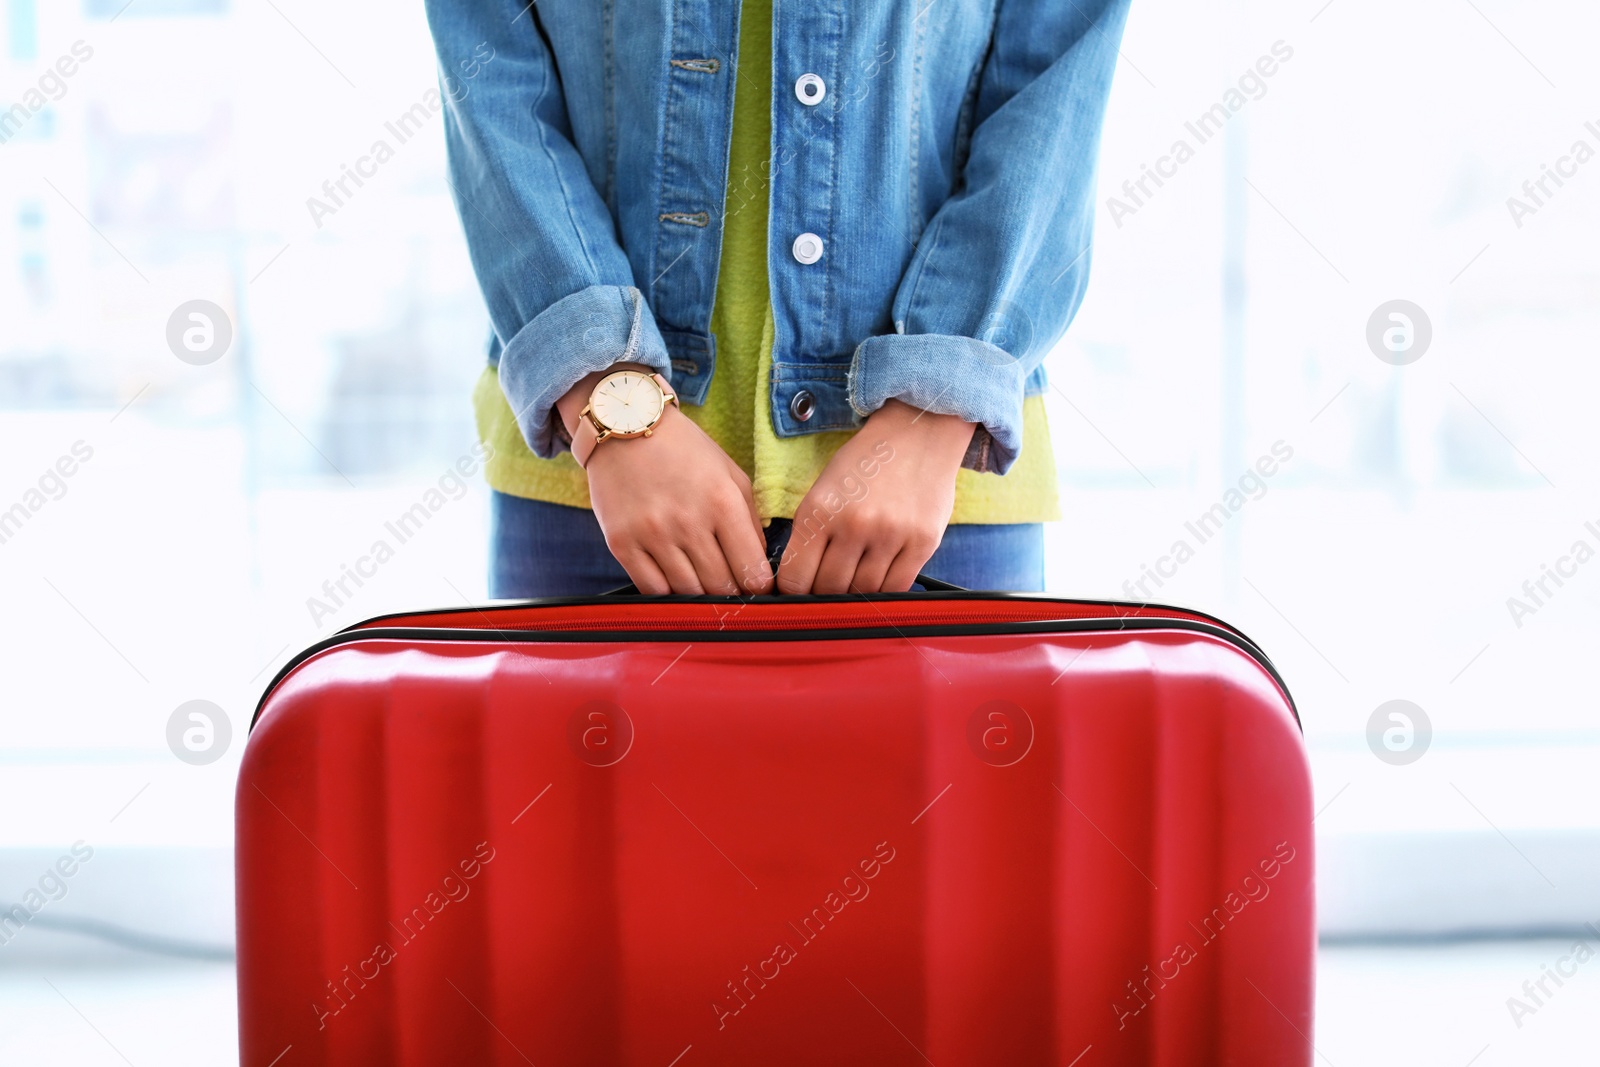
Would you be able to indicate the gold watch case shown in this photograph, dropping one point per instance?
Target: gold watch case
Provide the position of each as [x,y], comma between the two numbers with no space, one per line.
[618,408]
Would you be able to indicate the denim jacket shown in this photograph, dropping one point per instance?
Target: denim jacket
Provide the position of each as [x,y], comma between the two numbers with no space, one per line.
[930,200]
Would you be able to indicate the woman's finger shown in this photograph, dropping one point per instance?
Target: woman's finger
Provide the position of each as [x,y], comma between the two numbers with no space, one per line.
[903,571]
[710,564]
[838,567]
[871,570]
[742,546]
[644,573]
[750,502]
[678,568]
[798,567]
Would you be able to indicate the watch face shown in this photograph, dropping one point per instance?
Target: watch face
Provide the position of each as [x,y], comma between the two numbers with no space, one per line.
[627,401]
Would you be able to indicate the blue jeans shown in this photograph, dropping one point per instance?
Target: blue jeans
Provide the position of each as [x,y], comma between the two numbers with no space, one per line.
[538,549]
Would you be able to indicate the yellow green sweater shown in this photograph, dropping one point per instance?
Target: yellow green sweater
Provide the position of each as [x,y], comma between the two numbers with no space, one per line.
[735,413]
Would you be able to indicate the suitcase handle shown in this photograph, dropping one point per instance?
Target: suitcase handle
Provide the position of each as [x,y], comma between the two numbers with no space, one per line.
[929,585]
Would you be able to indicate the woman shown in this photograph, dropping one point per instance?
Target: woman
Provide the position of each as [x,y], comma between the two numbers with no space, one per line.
[772,280]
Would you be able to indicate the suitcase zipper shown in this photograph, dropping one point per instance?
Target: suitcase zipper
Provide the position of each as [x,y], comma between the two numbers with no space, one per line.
[777,614]
[641,619]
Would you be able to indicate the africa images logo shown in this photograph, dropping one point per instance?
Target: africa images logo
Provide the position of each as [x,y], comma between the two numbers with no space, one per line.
[853,887]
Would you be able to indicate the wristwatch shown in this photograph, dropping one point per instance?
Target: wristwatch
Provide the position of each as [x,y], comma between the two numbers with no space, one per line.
[625,403]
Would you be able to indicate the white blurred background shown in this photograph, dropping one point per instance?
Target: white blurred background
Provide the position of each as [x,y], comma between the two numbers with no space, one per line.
[1228,311]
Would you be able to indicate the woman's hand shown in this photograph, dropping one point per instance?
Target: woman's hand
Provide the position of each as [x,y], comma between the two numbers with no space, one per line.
[879,508]
[677,512]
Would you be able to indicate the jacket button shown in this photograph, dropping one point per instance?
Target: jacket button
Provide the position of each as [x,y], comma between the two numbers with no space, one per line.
[810,89]
[807,248]
[802,405]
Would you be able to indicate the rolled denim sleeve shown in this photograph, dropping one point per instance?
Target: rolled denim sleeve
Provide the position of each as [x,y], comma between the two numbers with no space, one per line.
[1002,265]
[559,288]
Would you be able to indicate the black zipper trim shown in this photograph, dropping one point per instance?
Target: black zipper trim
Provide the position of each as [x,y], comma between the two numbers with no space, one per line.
[948,592]
[1220,631]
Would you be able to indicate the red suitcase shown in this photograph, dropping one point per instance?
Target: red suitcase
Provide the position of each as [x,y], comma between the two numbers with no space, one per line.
[947,828]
